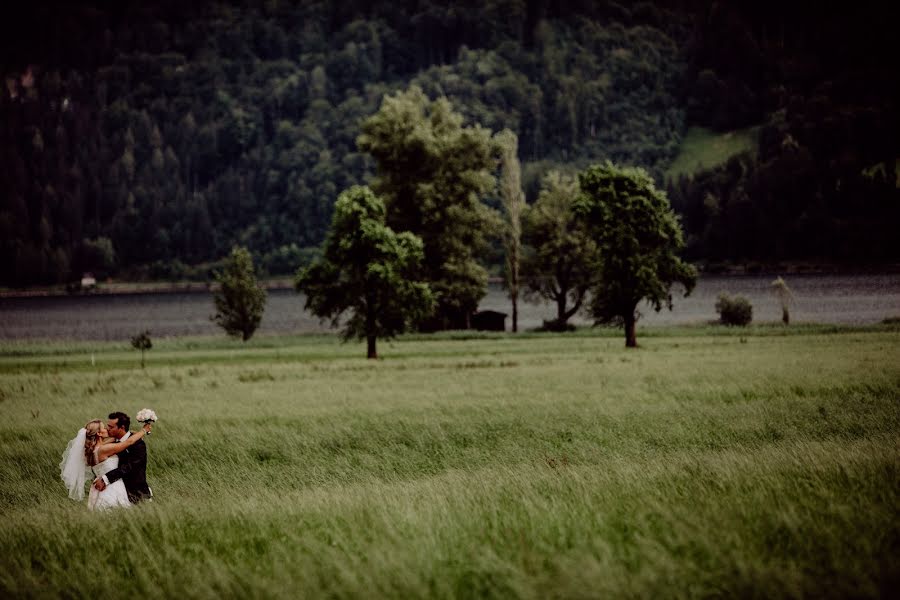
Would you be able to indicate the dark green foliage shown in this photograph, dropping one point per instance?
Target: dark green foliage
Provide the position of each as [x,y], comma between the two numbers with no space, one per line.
[432,172]
[240,300]
[734,310]
[178,130]
[638,238]
[369,270]
[584,90]
[143,343]
[823,184]
[791,203]
[563,261]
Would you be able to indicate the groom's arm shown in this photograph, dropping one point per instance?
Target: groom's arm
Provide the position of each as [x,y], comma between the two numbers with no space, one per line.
[136,454]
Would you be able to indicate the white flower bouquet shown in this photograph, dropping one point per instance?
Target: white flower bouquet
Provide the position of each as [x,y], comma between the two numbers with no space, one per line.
[146,415]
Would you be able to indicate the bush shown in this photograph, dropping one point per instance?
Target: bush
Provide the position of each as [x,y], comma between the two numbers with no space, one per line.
[735,310]
[556,326]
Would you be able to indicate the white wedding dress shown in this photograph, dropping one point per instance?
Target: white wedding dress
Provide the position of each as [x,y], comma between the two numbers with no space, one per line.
[114,494]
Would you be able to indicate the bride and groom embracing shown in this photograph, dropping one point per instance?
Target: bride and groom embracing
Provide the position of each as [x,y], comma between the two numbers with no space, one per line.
[114,456]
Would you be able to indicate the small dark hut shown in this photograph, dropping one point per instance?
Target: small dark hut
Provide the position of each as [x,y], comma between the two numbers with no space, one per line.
[489,320]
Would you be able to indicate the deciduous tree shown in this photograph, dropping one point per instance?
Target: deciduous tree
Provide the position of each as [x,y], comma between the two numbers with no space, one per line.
[432,172]
[563,262]
[369,270]
[240,301]
[639,238]
[141,342]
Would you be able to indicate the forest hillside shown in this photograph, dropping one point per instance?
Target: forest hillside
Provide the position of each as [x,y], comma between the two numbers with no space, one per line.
[144,139]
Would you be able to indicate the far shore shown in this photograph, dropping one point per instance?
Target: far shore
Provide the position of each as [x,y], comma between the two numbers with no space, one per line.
[110,288]
[113,287]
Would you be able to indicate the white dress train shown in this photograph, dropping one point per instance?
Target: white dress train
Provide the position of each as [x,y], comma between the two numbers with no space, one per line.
[114,494]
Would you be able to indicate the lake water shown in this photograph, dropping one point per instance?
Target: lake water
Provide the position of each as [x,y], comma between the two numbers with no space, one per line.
[846,299]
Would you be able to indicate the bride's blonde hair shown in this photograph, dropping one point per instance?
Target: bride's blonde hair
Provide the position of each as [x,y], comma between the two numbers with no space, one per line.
[92,439]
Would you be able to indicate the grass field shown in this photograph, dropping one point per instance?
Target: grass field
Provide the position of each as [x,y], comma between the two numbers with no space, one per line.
[704,149]
[709,462]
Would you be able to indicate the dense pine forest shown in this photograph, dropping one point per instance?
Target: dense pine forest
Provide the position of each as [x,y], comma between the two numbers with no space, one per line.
[145,139]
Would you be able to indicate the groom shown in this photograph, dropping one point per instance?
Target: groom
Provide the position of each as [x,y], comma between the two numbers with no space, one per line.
[132,461]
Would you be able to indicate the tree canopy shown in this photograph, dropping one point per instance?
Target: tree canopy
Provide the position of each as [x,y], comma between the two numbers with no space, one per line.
[240,300]
[142,342]
[432,172]
[562,264]
[512,198]
[638,237]
[368,270]
[144,140]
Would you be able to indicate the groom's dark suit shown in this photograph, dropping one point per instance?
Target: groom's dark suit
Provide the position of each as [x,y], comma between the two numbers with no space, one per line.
[132,471]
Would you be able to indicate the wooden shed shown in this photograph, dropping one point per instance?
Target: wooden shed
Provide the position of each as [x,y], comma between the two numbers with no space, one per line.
[489,320]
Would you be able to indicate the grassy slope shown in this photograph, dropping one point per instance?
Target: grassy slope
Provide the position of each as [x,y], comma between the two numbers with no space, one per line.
[704,149]
[541,466]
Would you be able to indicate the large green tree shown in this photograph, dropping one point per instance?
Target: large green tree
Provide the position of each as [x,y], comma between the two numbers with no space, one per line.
[563,262]
[432,172]
[369,270]
[240,300]
[639,238]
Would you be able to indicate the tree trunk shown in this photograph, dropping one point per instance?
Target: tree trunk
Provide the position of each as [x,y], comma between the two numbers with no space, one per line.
[561,310]
[785,316]
[371,322]
[514,288]
[630,337]
[515,315]
[575,307]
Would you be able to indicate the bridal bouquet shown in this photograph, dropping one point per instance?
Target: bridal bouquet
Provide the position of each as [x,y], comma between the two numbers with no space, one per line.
[145,415]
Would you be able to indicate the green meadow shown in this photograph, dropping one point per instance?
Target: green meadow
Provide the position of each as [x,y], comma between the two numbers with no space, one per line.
[762,462]
[705,149]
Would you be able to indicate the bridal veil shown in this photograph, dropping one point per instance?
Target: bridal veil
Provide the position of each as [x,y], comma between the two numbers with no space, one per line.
[73,468]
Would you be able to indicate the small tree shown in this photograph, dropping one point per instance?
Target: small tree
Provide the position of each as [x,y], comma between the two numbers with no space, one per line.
[734,310]
[513,200]
[785,298]
[563,262]
[638,236]
[240,300]
[369,270]
[142,342]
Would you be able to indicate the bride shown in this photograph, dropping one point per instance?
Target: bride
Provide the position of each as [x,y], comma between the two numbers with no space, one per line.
[92,452]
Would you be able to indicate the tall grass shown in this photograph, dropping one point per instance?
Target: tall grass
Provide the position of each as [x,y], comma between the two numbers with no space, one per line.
[536,466]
